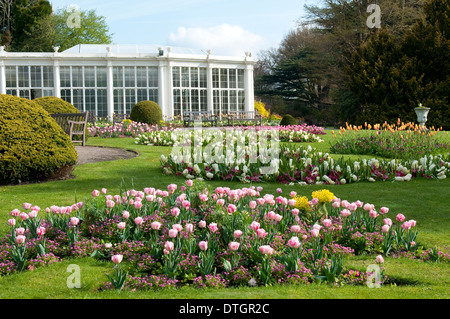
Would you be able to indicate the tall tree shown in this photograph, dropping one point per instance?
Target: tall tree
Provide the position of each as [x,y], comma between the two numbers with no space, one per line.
[73,27]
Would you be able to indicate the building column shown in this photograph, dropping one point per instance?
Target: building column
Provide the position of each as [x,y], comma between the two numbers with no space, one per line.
[56,79]
[162,89]
[110,90]
[2,77]
[209,85]
[249,88]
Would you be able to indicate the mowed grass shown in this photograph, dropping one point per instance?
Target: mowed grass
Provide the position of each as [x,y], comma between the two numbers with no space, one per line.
[426,201]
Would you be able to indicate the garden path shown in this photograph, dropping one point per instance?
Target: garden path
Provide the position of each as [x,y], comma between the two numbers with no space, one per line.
[92,154]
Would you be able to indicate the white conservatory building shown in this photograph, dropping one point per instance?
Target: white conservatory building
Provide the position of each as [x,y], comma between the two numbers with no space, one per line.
[107,79]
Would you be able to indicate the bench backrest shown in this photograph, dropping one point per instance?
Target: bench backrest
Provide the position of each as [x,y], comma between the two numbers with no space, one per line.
[243,114]
[62,119]
[197,115]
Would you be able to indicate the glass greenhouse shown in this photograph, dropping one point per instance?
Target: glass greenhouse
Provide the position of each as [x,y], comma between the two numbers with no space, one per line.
[108,79]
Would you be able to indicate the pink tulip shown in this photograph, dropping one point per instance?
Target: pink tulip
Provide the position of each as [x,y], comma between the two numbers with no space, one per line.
[327,222]
[168,245]
[40,231]
[20,239]
[345,204]
[295,212]
[74,221]
[237,234]
[23,216]
[384,210]
[380,259]
[220,202]
[203,197]
[293,194]
[234,246]
[413,223]
[156,225]
[189,228]
[20,231]
[202,224]
[125,214]
[173,233]
[279,190]
[266,250]
[353,207]
[368,207]
[189,182]
[336,204]
[400,217]
[186,204]
[26,205]
[295,228]
[292,202]
[359,204]
[373,214]
[175,211]
[254,226]
[406,225]
[117,259]
[138,204]
[12,222]
[172,188]
[294,242]
[178,227]
[315,232]
[261,233]
[138,220]
[121,225]
[252,204]
[231,208]
[213,227]
[385,229]
[110,203]
[387,221]
[95,193]
[15,212]
[203,245]
[345,213]
[314,201]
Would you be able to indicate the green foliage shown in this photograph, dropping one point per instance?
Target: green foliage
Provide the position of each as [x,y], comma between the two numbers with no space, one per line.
[146,112]
[288,120]
[33,145]
[55,105]
[92,28]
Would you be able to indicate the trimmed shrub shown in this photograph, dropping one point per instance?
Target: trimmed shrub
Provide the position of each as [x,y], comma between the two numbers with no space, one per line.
[288,120]
[33,147]
[147,112]
[55,105]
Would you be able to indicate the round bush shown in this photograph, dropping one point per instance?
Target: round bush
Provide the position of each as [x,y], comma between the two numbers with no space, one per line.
[288,120]
[147,112]
[55,105]
[33,146]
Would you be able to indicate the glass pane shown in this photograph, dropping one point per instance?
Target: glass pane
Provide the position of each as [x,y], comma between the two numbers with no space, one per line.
[101,77]
[102,103]
[141,76]
[240,79]
[224,102]
[232,78]
[11,92]
[185,101]
[224,78]
[130,74]
[89,76]
[36,76]
[153,77]
[11,77]
[89,100]
[176,76]
[215,78]
[35,93]
[153,95]
[77,76]
[203,78]
[195,102]
[216,102]
[233,101]
[24,93]
[185,77]
[204,100]
[47,92]
[66,95]
[176,102]
[64,72]
[78,99]
[241,100]
[118,76]
[194,77]
[118,101]
[130,100]
[141,95]
[47,72]
[23,77]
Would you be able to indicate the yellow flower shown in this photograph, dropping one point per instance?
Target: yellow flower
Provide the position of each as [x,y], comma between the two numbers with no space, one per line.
[302,203]
[324,196]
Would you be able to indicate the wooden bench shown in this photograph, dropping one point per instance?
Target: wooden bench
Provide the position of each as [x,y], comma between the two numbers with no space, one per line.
[244,116]
[73,124]
[203,116]
[119,117]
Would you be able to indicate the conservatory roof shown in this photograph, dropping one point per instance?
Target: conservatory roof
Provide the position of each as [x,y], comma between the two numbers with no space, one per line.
[130,49]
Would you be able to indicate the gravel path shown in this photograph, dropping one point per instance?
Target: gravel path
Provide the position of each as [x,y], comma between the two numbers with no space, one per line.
[92,154]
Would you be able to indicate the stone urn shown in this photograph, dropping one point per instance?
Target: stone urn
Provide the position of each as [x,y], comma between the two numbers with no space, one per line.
[422,113]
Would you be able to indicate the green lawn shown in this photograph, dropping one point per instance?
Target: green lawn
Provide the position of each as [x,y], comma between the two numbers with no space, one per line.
[426,201]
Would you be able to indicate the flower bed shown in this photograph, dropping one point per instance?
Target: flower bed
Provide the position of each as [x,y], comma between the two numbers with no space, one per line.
[174,137]
[127,128]
[211,237]
[405,142]
[304,165]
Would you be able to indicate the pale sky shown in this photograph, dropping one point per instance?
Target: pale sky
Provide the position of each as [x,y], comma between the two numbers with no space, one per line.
[227,27]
